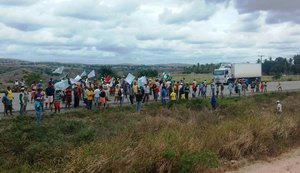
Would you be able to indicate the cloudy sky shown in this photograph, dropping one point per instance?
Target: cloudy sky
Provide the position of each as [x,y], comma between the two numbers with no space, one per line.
[148,31]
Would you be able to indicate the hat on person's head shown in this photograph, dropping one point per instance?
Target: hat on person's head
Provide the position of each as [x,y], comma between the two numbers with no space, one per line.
[38,98]
[278,101]
[22,88]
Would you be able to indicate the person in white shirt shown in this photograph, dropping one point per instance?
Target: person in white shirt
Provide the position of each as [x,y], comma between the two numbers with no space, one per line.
[279,107]
[96,97]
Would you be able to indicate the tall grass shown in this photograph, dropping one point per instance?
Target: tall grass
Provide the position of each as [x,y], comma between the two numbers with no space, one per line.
[187,137]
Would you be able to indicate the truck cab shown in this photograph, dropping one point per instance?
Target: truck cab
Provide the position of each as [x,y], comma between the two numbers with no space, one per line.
[222,74]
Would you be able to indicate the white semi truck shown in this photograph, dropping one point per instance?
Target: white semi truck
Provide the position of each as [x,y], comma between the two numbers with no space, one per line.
[230,72]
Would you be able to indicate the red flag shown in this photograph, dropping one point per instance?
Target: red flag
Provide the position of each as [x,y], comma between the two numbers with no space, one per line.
[107,79]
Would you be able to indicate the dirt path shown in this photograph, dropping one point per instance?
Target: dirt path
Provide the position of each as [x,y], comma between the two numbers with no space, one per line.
[286,163]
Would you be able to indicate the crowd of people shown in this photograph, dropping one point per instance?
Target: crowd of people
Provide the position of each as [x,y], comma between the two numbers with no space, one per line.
[95,93]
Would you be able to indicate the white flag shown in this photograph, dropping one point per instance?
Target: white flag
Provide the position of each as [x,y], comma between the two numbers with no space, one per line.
[61,85]
[91,74]
[73,81]
[59,70]
[129,78]
[77,78]
[83,73]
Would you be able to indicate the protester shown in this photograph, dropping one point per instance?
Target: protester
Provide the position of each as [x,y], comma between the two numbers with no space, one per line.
[76,94]
[279,87]
[213,87]
[10,95]
[33,91]
[217,90]
[49,95]
[139,98]
[57,100]
[265,87]
[279,107]
[21,101]
[239,88]
[163,95]
[117,97]
[26,100]
[213,102]
[96,97]
[102,97]
[89,99]
[262,86]
[38,110]
[121,95]
[155,92]
[186,91]
[7,104]
[68,94]
[147,93]
[222,90]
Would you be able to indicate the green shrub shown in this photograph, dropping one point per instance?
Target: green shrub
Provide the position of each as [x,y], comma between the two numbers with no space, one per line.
[70,127]
[85,135]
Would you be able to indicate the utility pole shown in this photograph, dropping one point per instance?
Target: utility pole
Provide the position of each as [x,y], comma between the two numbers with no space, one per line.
[261,58]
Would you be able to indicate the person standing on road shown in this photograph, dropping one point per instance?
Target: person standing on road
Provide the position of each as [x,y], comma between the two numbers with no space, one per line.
[279,87]
[26,100]
[21,101]
[239,88]
[49,95]
[212,87]
[10,95]
[139,98]
[76,94]
[89,94]
[147,93]
[33,91]
[262,86]
[163,94]
[96,96]
[222,90]
[186,91]
[265,87]
[230,88]
[7,104]
[57,100]
[38,110]
[102,97]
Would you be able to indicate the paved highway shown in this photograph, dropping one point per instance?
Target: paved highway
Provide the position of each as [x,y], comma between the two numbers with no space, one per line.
[272,86]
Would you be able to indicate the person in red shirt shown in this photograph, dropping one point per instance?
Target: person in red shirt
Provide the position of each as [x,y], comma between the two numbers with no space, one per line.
[68,97]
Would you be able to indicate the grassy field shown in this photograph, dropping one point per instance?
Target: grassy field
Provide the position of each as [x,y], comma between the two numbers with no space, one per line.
[208,77]
[188,137]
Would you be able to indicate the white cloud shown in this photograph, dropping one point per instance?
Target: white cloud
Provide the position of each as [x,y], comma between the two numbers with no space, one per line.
[149,32]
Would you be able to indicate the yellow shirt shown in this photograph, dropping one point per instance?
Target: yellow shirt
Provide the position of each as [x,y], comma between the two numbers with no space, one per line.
[89,94]
[173,96]
[10,94]
[135,89]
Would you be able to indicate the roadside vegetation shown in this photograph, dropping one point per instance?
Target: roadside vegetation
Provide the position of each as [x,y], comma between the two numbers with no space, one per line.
[186,137]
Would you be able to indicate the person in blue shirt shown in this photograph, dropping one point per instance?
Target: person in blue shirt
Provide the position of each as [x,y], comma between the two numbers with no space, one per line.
[38,110]
[7,104]
[213,102]
[163,95]
[230,88]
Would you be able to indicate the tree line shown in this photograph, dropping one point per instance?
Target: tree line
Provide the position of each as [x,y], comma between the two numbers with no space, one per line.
[270,66]
[280,65]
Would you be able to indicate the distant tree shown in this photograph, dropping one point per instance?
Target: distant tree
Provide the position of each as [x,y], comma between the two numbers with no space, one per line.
[147,73]
[31,77]
[103,71]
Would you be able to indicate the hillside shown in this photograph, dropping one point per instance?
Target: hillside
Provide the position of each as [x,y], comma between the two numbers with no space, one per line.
[188,137]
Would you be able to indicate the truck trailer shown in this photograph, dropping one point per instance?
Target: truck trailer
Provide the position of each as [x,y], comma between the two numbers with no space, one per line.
[230,72]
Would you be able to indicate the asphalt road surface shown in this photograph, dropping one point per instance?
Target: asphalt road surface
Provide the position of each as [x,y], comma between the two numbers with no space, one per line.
[271,86]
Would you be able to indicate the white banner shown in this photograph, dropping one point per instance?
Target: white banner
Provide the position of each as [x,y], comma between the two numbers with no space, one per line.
[129,78]
[142,81]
